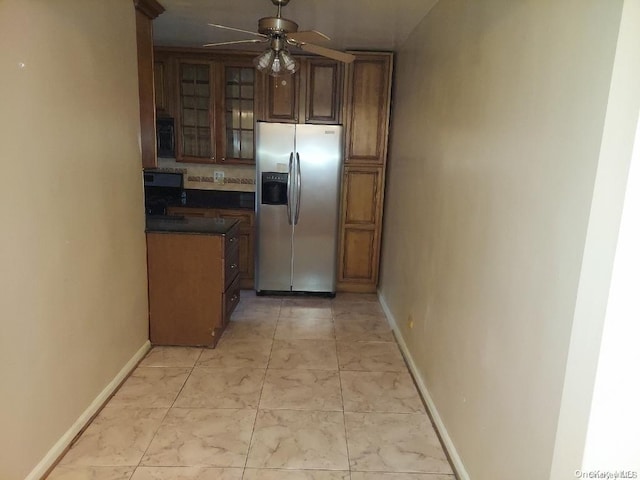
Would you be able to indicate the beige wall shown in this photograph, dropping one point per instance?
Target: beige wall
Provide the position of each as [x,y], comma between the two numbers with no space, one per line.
[73,276]
[497,124]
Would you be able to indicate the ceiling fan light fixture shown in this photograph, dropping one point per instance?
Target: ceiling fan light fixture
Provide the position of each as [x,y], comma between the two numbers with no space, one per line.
[288,62]
[263,61]
[276,63]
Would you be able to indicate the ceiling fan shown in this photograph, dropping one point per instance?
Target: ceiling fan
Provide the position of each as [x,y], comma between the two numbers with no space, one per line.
[281,33]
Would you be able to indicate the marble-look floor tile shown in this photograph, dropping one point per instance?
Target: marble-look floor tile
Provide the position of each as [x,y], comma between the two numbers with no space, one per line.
[304,354]
[305,328]
[171,357]
[258,306]
[187,473]
[307,302]
[237,353]
[398,476]
[392,392]
[91,473]
[149,387]
[306,308]
[394,442]
[306,312]
[250,329]
[202,437]
[347,309]
[222,388]
[117,436]
[298,440]
[363,328]
[370,357]
[241,315]
[264,474]
[341,298]
[301,390]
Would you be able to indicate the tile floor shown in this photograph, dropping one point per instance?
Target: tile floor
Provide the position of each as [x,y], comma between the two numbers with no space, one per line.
[298,388]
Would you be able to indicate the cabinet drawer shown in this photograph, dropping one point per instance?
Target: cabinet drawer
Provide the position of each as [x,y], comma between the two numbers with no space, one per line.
[231,239]
[230,299]
[231,264]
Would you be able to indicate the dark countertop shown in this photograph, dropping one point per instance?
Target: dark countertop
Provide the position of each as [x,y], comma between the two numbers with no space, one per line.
[189,225]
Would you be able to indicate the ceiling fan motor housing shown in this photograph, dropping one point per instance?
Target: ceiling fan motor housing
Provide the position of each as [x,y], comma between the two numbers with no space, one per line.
[276,26]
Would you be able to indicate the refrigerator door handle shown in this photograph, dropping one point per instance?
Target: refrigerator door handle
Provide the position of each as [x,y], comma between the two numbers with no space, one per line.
[298,188]
[289,188]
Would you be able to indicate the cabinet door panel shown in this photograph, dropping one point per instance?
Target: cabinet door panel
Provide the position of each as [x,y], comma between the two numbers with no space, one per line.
[196,118]
[282,99]
[324,87]
[361,197]
[159,80]
[368,110]
[360,226]
[235,116]
[359,249]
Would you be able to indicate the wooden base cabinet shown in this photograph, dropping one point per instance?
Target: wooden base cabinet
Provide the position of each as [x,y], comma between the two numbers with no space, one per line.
[193,288]
[362,192]
[246,236]
[366,113]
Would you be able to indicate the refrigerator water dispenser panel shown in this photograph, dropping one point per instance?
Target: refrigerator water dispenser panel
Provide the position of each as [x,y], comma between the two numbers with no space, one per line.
[274,188]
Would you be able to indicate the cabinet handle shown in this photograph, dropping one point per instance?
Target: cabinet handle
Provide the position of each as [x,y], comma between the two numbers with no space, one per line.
[233,239]
[213,158]
[222,159]
[234,298]
[233,266]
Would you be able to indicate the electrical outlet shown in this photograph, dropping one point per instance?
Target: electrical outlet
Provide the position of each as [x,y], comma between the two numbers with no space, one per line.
[218,176]
[410,321]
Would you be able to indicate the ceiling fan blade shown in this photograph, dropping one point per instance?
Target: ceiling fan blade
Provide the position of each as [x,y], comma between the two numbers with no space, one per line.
[224,27]
[217,44]
[328,52]
[308,36]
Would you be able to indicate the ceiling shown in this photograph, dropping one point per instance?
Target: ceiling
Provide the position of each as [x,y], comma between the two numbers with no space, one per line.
[351,24]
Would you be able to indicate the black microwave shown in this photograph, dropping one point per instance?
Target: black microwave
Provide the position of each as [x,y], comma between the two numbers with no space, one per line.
[165,137]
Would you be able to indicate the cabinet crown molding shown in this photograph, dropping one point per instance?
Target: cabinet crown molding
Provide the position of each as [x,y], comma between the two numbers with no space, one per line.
[151,8]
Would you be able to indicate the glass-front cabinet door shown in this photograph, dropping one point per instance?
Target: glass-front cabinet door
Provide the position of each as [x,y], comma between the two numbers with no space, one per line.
[236,135]
[216,105]
[196,141]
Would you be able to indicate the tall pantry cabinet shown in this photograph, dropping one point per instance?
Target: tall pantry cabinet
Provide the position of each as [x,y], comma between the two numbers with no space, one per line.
[366,118]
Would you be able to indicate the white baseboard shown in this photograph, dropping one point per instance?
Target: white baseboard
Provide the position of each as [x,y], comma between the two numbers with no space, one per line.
[458,466]
[52,455]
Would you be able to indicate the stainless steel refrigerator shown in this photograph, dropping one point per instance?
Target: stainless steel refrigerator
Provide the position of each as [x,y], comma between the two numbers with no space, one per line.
[297,202]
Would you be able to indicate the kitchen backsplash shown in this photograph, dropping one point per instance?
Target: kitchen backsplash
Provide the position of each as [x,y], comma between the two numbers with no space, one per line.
[238,178]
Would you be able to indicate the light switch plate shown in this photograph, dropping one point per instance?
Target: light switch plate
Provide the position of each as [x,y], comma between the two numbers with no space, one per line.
[218,177]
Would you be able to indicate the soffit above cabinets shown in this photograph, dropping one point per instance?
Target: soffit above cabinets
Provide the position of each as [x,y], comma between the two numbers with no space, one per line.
[351,24]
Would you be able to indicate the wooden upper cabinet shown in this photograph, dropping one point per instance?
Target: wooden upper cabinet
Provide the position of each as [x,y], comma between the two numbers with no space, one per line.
[235,112]
[164,84]
[367,108]
[282,98]
[195,119]
[215,105]
[312,95]
[146,11]
[324,87]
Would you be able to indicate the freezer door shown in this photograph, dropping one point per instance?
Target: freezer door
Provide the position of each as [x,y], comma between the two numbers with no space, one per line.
[317,176]
[275,149]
